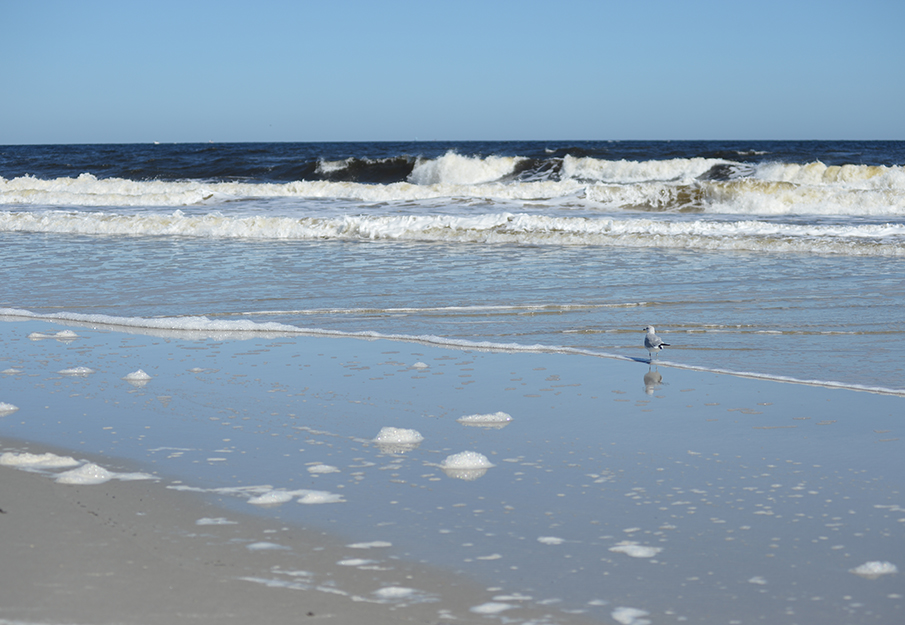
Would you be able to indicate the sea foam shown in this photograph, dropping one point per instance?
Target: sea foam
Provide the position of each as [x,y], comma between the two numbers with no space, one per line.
[466,465]
[496,420]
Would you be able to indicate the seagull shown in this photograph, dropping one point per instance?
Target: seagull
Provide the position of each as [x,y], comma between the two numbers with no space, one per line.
[652,342]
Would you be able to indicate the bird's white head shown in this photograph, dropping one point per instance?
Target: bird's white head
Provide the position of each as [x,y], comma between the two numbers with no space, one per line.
[650,330]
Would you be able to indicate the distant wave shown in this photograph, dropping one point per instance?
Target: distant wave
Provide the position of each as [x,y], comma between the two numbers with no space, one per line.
[705,185]
[493,228]
[204,327]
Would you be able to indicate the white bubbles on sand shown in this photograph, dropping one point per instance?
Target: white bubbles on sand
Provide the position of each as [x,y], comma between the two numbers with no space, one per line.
[276,497]
[272,498]
[630,616]
[550,540]
[137,378]
[397,440]
[77,371]
[394,592]
[86,474]
[319,497]
[420,365]
[43,461]
[90,473]
[467,465]
[757,579]
[62,335]
[6,409]
[496,420]
[319,469]
[635,550]
[873,570]
[215,521]
[265,546]
[11,371]
[374,544]
[492,607]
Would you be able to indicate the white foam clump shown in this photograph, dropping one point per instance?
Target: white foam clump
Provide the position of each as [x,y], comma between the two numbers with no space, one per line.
[467,460]
[495,420]
[6,409]
[491,607]
[323,468]
[398,436]
[466,465]
[277,497]
[394,592]
[550,540]
[62,335]
[215,521]
[397,440]
[630,616]
[264,546]
[873,570]
[89,474]
[44,461]
[137,376]
[320,496]
[272,498]
[77,371]
[374,544]
[420,365]
[635,550]
[86,474]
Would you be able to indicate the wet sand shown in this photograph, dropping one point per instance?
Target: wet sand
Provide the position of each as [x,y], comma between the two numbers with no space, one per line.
[609,491]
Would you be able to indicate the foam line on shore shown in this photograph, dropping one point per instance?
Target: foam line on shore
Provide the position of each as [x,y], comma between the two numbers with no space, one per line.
[204,327]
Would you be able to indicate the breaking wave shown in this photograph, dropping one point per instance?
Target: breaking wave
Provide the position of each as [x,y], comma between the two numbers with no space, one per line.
[491,228]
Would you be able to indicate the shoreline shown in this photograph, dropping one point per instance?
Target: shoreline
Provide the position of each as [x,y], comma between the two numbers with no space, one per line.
[135,552]
[200,327]
[614,491]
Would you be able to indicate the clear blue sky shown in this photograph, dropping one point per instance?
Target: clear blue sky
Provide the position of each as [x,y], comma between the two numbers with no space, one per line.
[349,70]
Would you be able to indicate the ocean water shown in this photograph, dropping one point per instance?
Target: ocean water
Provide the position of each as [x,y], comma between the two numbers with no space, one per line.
[778,259]
[435,353]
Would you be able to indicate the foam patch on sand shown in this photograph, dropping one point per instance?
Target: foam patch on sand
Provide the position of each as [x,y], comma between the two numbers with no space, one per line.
[83,474]
[36,461]
[93,474]
[467,460]
[397,440]
[374,544]
[875,569]
[496,420]
[276,497]
[137,376]
[466,465]
[215,521]
[491,607]
[77,371]
[62,335]
[550,540]
[630,616]
[635,550]
[6,409]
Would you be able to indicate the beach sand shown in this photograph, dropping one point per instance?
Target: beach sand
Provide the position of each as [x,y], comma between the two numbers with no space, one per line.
[540,488]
